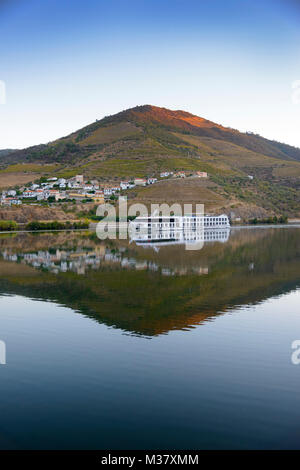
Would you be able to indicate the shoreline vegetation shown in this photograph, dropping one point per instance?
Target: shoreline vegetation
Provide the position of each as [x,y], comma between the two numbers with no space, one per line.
[270,220]
[12,226]
[8,226]
[33,226]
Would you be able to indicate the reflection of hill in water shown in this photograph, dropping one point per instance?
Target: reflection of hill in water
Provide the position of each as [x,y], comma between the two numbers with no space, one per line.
[184,289]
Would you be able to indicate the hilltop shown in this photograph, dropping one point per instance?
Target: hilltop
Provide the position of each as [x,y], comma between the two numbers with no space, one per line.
[145,140]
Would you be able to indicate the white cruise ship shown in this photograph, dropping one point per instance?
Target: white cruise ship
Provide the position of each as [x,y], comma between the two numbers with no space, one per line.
[186,222]
[191,230]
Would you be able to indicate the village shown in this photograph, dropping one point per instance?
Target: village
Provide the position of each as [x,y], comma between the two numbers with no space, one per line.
[80,189]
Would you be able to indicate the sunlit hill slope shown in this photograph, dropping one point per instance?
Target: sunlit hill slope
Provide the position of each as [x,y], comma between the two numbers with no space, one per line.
[146,140]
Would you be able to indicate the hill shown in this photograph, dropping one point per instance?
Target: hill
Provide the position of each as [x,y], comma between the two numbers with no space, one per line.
[146,140]
[5,152]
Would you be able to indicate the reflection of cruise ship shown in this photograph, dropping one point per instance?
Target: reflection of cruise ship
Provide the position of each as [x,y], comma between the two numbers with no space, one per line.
[185,236]
[181,230]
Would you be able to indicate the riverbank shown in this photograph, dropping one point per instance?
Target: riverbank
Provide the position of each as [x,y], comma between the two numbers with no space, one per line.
[265,226]
[124,225]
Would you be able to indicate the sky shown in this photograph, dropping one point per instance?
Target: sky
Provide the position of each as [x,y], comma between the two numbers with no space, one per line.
[66,63]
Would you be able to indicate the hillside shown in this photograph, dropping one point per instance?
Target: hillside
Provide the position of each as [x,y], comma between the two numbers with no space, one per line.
[146,140]
[5,152]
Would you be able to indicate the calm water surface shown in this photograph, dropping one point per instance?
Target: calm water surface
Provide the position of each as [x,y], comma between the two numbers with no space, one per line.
[114,345]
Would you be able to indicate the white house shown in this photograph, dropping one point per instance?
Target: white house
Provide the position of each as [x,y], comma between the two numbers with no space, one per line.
[10,201]
[28,193]
[73,185]
[62,183]
[124,185]
[40,194]
[79,179]
[109,191]
[151,180]
[88,187]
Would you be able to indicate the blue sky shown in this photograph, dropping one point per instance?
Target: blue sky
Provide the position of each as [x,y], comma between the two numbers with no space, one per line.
[66,63]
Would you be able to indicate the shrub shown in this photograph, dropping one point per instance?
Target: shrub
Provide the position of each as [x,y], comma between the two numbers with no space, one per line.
[35,225]
[8,225]
[270,220]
